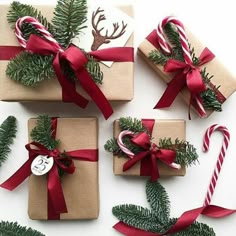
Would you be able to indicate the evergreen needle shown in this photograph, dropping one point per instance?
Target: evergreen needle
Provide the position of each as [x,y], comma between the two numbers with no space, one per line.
[7,134]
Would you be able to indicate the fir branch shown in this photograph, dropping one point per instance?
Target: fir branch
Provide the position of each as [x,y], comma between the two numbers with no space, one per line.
[68,21]
[112,146]
[137,216]
[210,101]
[157,57]
[42,133]
[94,70]
[158,201]
[132,124]
[30,69]
[8,131]
[151,220]
[186,153]
[18,10]
[14,229]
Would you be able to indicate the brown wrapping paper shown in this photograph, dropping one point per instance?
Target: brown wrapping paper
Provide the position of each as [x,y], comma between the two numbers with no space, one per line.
[222,77]
[162,129]
[117,78]
[80,188]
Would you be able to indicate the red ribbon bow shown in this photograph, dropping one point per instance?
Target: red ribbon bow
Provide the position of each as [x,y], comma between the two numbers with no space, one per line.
[187,75]
[150,152]
[77,61]
[56,200]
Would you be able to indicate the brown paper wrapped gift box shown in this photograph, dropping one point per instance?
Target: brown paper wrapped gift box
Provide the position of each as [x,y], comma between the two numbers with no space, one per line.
[117,78]
[222,77]
[162,129]
[80,188]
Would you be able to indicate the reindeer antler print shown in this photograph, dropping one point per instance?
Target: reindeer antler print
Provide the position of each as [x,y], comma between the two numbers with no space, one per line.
[100,39]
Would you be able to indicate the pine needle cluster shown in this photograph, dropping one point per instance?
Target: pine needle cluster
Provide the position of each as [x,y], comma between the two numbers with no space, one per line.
[186,153]
[157,218]
[8,131]
[14,229]
[68,21]
[209,97]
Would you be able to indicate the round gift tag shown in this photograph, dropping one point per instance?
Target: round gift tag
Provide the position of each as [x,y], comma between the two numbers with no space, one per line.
[41,165]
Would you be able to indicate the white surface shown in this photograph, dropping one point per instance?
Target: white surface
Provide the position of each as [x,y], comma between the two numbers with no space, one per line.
[213,22]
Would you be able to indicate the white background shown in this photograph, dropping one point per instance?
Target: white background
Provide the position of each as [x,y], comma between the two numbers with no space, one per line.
[214,23]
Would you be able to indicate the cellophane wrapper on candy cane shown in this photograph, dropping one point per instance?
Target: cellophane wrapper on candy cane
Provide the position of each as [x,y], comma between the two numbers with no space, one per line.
[119,77]
[162,129]
[221,76]
[80,188]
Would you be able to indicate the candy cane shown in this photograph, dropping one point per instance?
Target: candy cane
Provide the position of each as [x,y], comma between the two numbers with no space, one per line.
[43,31]
[183,38]
[220,160]
[131,154]
[166,47]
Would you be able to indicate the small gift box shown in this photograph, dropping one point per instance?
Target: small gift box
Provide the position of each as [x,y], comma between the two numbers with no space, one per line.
[67,149]
[100,59]
[188,67]
[150,147]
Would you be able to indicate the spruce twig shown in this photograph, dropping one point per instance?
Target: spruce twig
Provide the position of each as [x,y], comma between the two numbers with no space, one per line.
[157,219]
[68,21]
[42,133]
[132,124]
[14,229]
[8,131]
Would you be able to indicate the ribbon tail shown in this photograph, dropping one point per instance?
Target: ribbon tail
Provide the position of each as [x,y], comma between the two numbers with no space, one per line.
[131,231]
[56,198]
[171,92]
[94,92]
[155,173]
[132,162]
[217,211]
[68,87]
[185,220]
[18,177]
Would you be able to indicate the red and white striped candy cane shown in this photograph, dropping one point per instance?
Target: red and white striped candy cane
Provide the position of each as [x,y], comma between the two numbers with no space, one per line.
[43,31]
[220,160]
[166,47]
[131,154]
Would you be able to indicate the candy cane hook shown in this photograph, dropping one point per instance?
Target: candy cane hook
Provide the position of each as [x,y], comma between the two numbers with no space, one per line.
[220,160]
[43,31]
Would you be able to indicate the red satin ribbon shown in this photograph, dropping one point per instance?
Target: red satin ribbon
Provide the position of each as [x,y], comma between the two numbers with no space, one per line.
[150,153]
[77,61]
[9,52]
[56,200]
[186,75]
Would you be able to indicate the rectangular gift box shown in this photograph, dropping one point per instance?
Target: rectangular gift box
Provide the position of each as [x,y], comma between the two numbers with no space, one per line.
[162,129]
[221,76]
[119,77]
[80,188]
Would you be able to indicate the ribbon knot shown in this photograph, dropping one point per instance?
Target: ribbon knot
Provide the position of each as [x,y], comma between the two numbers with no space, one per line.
[152,152]
[54,153]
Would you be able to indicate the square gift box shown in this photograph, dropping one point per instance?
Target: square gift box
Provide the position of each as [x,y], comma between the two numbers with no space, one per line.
[118,77]
[221,78]
[80,188]
[162,129]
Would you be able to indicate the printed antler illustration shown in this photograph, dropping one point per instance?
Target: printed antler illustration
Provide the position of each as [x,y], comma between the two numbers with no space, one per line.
[101,39]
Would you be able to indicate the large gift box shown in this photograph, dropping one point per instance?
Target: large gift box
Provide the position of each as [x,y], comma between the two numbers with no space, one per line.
[80,188]
[161,129]
[210,67]
[116,77]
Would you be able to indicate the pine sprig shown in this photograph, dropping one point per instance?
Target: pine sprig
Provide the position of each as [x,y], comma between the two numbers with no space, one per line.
[159,203]
[94,70]
[68,21]
[30,69]
[8,131]
[132,124]
[157,219]
[14,229]
[18,10]
[158,57]
[186,153]
[42,133]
